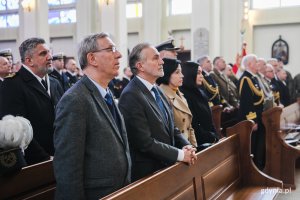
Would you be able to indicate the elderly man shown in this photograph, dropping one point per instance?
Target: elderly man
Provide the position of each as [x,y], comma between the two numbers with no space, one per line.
[28,94]
[251,107]
[167,49]
[154,141]
[5,69]
[227,88]
[91,149]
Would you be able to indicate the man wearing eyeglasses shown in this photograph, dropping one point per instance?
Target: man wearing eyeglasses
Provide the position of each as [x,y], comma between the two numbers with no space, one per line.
[91,149]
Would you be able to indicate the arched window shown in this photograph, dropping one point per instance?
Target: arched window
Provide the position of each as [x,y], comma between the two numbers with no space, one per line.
[134,9]
[9,16]
[264,4]
[62,11]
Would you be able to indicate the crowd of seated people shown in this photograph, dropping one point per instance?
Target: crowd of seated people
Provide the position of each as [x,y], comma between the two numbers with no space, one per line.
[159,113]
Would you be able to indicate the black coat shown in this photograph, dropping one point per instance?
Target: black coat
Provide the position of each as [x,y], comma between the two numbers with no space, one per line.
[284,93]
[23,95]
[63,79]
[202,118]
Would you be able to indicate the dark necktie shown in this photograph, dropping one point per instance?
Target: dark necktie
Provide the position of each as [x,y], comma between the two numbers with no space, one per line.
[44,84]
[112,109]
[160,103]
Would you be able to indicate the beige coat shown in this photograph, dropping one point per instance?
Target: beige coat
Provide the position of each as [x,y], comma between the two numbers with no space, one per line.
[182,113]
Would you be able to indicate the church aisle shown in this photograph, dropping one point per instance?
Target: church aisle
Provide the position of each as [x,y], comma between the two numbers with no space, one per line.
[294,194]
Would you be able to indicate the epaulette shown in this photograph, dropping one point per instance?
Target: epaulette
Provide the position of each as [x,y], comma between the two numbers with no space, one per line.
[256,91]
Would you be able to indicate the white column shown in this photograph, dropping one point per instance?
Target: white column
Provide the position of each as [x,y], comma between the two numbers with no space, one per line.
[202,36]
[230,29]
[34,22]
[111,18]
[83,19]
[152,21]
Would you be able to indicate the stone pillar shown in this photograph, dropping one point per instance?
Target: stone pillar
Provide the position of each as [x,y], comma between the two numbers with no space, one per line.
[111,18]
[152,21]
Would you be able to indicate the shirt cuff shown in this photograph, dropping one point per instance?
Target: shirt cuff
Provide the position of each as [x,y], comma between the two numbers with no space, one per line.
[180,156]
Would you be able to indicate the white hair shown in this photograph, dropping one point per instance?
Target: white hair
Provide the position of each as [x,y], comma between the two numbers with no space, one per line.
[248,58]
[15,132]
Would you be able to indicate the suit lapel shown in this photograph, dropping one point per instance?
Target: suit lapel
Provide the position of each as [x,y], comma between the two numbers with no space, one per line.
[33,82]
[102,105]
[151,100]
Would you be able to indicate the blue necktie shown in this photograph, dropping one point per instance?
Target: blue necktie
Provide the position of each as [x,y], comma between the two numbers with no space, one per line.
[109,102]
[160,103]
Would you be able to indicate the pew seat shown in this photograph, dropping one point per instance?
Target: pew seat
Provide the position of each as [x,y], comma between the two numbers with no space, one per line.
[222,171]
[280,156]
[31,183]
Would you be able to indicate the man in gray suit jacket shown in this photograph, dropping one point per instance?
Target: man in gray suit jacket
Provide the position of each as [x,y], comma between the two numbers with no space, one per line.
[154,141]
[91,149]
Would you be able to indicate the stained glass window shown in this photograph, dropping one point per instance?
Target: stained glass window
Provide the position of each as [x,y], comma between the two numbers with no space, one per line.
[62,11]
[9,16]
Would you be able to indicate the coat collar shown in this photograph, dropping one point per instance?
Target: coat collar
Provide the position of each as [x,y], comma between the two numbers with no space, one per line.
[32,81]
[177,100]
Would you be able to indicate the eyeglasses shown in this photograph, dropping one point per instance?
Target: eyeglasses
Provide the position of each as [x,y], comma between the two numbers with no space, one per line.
[112,49]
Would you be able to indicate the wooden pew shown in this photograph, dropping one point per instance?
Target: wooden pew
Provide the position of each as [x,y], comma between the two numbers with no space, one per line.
[280,156]
[33,182]
[216,116]
[222,171]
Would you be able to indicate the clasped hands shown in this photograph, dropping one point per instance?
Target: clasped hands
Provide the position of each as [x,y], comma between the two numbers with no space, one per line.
[189,154]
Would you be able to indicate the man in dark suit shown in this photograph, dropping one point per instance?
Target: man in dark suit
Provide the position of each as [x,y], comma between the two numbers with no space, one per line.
[92,156]
[57,73]
[154,141]
[283,89]
[27,94]
[5,68]
[251,107]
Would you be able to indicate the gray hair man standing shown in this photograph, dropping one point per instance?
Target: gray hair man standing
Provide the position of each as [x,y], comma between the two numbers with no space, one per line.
[91,150]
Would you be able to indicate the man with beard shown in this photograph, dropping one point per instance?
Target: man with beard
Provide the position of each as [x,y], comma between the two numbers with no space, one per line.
[27,94]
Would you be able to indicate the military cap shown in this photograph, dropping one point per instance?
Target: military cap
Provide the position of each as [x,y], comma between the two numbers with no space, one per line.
[58,56]
[167,45]
[5,52]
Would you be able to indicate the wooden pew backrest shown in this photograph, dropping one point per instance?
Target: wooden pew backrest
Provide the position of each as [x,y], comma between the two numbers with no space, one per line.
[32,182]
[219,171]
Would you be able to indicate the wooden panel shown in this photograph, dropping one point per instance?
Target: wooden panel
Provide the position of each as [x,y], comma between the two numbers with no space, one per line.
[215,175]
[187,192]
[221,177]
[29,181]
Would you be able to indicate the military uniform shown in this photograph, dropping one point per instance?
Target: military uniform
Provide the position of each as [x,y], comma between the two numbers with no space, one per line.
[61,77]
[227,88]
[71,78]
[251,108]
[7,53]
[211,90]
